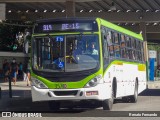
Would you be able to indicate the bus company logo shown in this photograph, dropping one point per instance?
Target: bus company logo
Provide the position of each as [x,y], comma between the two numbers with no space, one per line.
[6,114]
[61,86]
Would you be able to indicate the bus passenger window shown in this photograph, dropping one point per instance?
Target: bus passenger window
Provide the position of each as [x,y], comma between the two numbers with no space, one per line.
[109,38]
[111,51]
[131,54]
[132,43]
[136,55]
[112,37]
[122,45]
[117,51]
[116,40]
[135,44]
[139,45]
[123,53]
[122,38]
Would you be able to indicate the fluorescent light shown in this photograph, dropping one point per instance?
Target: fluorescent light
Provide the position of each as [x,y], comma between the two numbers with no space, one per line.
[100,11]
[133,23]
[118,10]
[155,23]
[63,10]
[81,11]
[156,10]
[137,10]
[9,11]
[90,10]
[27,11]
[54,11]
[109,10]
[147,10]
[36,11]
[128,10]
[147,23]
[45,11]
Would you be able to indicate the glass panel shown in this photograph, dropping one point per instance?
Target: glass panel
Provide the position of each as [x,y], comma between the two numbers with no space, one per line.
[66,53]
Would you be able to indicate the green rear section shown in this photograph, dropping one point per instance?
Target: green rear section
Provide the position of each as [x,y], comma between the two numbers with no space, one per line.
[82,83]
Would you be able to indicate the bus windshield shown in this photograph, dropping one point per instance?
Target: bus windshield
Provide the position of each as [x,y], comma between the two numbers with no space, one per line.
[66,53]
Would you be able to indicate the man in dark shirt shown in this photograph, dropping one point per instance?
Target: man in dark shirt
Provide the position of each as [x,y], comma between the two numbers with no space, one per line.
[14,70]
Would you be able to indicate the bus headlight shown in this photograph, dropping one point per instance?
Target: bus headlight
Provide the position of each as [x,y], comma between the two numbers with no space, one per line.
[38,83]
[93,82]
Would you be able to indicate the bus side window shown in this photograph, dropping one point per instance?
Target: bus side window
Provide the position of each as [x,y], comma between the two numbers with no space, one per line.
[128,41]
[105,47]
[122,41]
[117,51]
[116,38]
[122,38]
[136,55]
[109,38]
[112,37]
[132,43]
[135,44]
[105,39]
[111,51]
[124,53]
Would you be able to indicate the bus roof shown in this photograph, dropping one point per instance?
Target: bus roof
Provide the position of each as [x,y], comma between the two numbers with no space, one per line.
[120,29]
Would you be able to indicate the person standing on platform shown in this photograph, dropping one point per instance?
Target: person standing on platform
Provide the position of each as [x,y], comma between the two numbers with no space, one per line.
[14,71]
[27,73]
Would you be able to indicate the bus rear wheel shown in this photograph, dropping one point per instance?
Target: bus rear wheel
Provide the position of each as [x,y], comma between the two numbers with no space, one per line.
[134,97]
[54,105]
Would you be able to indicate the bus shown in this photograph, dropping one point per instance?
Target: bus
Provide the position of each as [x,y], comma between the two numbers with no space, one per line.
[78,59]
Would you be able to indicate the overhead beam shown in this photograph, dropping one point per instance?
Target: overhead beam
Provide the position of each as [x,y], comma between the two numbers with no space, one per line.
[120,17]
[20,1]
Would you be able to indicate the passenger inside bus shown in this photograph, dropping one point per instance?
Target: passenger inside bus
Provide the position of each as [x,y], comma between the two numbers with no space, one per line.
[94,51]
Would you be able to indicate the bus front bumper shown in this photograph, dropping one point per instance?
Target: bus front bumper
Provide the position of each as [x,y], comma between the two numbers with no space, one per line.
[99,92]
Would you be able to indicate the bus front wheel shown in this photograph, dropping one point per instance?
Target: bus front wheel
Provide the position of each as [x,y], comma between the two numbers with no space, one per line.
[54,105]
[108,103]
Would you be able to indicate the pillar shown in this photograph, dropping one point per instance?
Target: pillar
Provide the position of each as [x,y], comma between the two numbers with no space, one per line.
[70,8]
[2,11]
[144,35]
[143,29]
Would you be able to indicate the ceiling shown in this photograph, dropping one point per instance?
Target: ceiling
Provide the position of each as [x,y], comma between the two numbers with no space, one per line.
[121,12]
[92,6]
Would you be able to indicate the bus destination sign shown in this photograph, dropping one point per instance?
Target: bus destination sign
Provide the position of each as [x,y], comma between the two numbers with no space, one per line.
[64,27]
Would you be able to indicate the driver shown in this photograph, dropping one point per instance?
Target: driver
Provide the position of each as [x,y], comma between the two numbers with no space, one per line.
[94,50]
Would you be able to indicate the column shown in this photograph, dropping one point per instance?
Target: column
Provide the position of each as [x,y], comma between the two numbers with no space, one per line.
[2,11]
[143,30]
[70,8]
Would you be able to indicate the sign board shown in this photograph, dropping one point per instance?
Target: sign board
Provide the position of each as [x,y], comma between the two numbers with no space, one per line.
[152,54]
[2,11]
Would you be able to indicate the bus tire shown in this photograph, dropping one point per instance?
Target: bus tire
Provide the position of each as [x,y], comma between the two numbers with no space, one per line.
[54,105]
[134,97]
[108,103]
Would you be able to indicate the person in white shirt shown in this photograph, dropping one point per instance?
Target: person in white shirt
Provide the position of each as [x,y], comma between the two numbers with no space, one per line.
[94,50]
